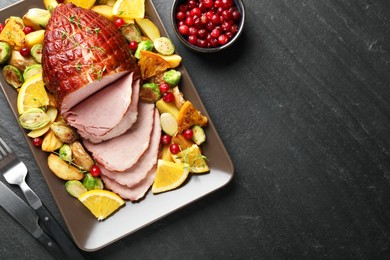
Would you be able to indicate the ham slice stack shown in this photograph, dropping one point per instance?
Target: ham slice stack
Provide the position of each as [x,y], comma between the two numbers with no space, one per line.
[95,79]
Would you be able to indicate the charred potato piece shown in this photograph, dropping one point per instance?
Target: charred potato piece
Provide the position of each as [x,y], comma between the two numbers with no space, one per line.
[63,169]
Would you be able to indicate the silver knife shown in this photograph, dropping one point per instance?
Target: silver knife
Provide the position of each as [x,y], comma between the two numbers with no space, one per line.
[27,217]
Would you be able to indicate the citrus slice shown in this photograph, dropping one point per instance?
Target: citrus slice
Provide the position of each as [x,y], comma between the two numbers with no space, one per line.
[32,94]
[193,157]
[86,4]
[102,203]
[129,9]
[169,176]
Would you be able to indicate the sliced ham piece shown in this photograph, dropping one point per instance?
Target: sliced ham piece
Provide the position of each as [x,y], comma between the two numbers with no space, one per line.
[137,173]
[82,53]
[134,193]
[122,152]
[108,113]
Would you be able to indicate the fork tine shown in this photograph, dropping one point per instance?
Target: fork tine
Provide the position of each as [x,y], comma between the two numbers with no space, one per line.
[4,148]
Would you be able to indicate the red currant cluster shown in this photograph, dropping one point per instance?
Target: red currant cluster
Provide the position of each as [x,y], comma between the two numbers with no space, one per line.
[208,23]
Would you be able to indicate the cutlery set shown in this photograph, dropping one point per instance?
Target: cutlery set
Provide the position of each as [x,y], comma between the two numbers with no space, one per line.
[57,242]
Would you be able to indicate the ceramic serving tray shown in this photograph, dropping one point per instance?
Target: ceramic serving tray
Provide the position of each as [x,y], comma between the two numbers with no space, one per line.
[90,234]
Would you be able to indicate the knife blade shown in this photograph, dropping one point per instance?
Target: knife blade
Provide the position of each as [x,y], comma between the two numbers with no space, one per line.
[27,217]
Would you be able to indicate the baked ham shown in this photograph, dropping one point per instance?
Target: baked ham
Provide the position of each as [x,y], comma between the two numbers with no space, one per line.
[82,53]
[115,107]
[122,152]
[138,172]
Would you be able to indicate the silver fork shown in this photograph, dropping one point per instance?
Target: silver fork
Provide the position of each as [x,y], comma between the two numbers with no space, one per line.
[15,172]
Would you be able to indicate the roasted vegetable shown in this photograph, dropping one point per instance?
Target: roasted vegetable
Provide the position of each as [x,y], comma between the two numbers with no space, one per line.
[104,10]
[5,52]
[199,136]
[34,118]
[89,181]
[151,64]
[50,4]
[80,157]
[173,60]
[131,32]
[35,37]
[164,46]
[31,71]
[20,62]
[13,33]
[36,18]
[64,132]
[36,52]
[168,124]
[75,188]
[105,2]
[13,76]
[146,45]
[65,153]
[62,169]
[148,28]
[99,185]
[150,92]
[51,142]
[52,113]
[179,97]
[190,116]
[172,77]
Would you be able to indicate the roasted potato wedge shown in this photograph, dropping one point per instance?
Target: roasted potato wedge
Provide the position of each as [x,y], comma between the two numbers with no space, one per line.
[63,169]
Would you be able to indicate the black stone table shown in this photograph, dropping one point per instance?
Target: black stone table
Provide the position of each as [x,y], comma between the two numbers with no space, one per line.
[301,103]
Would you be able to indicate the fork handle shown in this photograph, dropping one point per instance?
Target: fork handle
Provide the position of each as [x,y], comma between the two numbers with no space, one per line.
[58,234]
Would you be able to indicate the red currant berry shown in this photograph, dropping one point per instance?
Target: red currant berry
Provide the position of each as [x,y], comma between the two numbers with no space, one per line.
[95,171]
[119,22]
[25,52]
[37,141]
[133,45]
[166,139]
[164,87]
[168,97]
[188,133]
[174,148]
[27,29]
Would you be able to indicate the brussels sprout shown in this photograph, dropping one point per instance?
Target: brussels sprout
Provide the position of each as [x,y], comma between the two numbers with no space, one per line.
[80,157]
[5,52]
[146,45]
[36,18]
[20,62]
[34,118]
[64,132]
[75,188]
[172,77]
[65,153]
[164,46]
[36,52]
[13,76]
[89,181]
[150,92]
[131,32]
[98,184]
[32,70]
[199,136]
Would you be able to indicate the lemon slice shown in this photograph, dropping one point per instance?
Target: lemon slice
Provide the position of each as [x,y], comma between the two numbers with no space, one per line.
[86,4]
[169,176]
[102,203]
[129,9]
[32,94]
[193,157]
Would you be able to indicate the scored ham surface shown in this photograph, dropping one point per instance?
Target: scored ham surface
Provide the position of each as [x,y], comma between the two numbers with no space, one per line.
[137,173]
[108,113]
[122,152]
[82,53]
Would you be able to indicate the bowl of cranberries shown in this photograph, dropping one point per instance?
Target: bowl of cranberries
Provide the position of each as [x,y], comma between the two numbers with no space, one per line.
[208,25]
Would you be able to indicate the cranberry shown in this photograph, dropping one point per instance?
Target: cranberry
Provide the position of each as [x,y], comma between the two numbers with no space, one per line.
[215,33]
[191,4]
[236,15]
[195,11]
[226,4]
[202,34]
[182,8]
[208,3]
[60,1]
[133,45]
[168,97]
[174,148]
[25,52]
[119,22]
[166,139]
[27,29]
[193,31]
[222,39]
[37,141]
[192,39]
[189,21]
[180,16]
[188,133]
[184,29]
[95,171]
[202,43]
[164,87]
[1,27]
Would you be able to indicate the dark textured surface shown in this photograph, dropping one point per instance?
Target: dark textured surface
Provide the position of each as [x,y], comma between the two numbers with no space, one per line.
[302,105]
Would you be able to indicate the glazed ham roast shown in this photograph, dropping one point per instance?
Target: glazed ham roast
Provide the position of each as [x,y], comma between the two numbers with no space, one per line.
[89,69]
